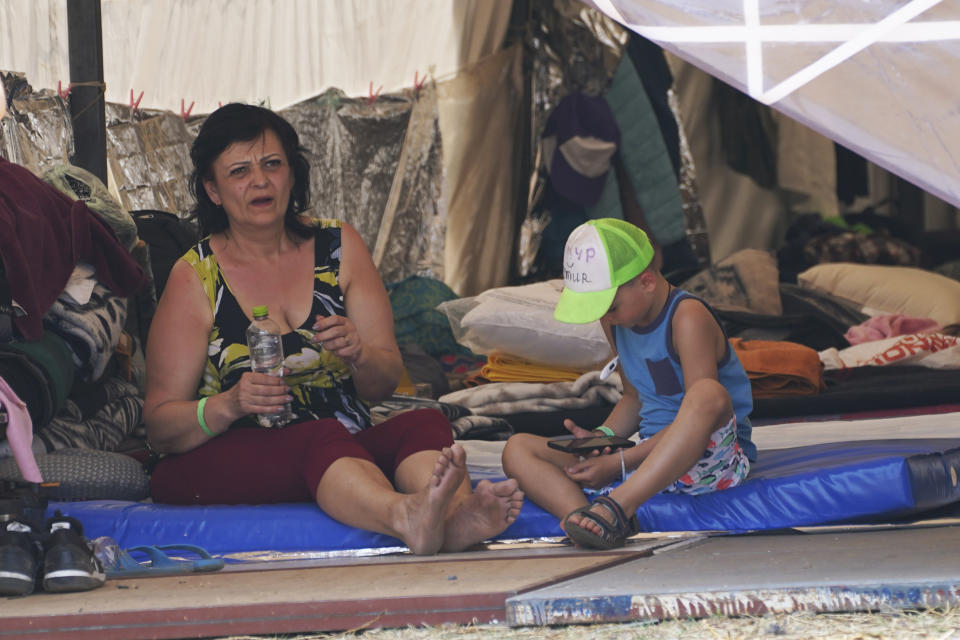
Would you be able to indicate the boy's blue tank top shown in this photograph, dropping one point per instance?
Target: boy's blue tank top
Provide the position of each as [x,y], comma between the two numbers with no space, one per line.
[652,366]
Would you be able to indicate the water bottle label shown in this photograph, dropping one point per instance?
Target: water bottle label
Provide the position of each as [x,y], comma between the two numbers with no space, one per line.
[266,354]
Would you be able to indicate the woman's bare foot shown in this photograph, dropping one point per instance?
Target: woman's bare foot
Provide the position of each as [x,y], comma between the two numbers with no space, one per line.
[491,508]
[421,523]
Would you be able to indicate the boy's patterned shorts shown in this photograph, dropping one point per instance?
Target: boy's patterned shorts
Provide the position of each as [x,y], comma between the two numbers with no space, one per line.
[723,465]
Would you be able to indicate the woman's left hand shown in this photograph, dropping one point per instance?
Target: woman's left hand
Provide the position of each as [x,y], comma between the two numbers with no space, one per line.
[339,336]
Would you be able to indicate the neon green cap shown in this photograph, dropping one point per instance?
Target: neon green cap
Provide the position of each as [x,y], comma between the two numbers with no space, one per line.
[600,255]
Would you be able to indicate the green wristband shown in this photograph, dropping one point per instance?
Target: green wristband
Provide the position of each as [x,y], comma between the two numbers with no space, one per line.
[605,430]
[203,423]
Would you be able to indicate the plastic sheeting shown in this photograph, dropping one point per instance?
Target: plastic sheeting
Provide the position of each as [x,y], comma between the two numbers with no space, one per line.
[802,486]
[375,165]
[148,158]
[869,75]
[378,166]
[148,153]
[38,133]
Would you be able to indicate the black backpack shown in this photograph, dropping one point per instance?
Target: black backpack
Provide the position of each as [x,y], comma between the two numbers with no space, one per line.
[168,237]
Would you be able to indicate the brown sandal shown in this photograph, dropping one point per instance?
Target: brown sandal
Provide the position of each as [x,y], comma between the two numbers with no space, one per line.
[614,534]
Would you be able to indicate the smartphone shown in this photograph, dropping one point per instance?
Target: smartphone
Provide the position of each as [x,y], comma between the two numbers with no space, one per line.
[581,446]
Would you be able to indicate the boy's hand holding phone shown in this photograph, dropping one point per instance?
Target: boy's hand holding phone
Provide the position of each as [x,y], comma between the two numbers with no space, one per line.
[576,430]
[582,446]
[599,469]
[586,442]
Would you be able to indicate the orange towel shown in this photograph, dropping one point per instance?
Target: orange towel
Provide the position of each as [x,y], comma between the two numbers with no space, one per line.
[780,368]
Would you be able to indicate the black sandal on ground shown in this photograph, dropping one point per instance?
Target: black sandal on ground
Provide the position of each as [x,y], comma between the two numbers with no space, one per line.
[615,532]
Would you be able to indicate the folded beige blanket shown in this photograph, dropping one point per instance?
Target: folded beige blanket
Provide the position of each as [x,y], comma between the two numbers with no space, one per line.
[503,398]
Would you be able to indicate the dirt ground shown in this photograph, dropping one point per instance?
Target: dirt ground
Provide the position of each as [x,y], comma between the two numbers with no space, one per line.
[933,624]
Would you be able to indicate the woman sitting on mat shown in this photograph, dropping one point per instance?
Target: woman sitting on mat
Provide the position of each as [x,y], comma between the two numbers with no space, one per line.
[404,477]
[683,388]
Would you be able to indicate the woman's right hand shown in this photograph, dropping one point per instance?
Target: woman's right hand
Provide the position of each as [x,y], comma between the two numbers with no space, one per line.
[260,393]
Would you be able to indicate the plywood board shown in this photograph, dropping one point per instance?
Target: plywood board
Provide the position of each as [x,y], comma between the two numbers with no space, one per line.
[429,591]
[757,574]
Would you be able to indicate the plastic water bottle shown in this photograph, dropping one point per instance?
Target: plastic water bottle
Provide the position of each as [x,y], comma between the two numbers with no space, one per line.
[264,339]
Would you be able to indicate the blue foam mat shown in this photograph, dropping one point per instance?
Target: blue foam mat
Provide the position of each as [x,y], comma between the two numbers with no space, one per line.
[842,482]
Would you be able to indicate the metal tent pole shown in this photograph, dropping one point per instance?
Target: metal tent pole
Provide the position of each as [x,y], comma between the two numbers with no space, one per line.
[85,37]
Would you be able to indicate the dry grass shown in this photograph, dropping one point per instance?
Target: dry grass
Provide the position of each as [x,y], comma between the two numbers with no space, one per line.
[932,624]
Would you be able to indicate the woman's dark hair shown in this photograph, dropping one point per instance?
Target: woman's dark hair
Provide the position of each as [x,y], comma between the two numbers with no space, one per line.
[238,122]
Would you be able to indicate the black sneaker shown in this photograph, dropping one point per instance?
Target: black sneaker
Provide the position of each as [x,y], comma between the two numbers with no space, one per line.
[68,562]
[19,557]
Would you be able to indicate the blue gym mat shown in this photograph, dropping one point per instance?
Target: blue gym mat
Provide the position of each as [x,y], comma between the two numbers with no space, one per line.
[837,482]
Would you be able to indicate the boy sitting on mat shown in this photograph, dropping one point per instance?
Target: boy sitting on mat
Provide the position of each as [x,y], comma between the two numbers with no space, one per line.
[683,388]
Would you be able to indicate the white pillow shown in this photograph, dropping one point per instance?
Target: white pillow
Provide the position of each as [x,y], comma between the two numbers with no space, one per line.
[883,290]
[519,321]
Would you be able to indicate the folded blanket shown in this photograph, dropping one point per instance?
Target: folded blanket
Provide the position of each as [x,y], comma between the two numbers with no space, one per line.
[91,330]
[780,368]
[501,367]
[465,424]
[118,417]
[934,350]
[888,326]
[504,398]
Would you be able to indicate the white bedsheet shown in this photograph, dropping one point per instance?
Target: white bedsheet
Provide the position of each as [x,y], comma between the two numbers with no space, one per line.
[483,457]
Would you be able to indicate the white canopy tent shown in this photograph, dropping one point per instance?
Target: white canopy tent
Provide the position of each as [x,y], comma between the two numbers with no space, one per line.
[275,51]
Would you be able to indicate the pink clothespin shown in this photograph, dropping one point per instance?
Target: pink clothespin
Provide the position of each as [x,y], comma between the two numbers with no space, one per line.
[135,105]
[185,114]
[60,92]
[417,82]
[373,96]
[219,104]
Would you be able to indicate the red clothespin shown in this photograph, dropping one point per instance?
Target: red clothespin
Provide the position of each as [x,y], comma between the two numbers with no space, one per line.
[135,105]
[60,92]
[418,82]
[219,104]
[185,114]
[373,96]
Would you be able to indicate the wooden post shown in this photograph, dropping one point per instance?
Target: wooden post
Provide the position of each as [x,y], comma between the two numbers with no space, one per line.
[85,37]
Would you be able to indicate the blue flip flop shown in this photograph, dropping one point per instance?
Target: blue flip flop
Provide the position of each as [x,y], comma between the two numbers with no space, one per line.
[158,563]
